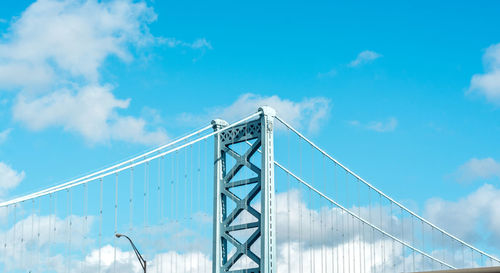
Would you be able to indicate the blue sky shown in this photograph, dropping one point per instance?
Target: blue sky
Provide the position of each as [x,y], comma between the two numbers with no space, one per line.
[405,94]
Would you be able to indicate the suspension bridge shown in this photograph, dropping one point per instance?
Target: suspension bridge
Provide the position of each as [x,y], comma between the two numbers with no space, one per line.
[251,196]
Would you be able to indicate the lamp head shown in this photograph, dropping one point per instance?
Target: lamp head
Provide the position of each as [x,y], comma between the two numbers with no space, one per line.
[118,235]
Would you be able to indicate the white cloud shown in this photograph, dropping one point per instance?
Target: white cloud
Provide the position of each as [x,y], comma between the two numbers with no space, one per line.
[73,36]
[378,126]
[62,46]
[4,135]
[478,168]
[40,244]
[308,113]
[90,111]
[9,178]
[112,259]
[364,57]
[21,248]
[329,74]
[201,43]
[324,235]
[488,84]
[310,237]
[474,218]
[387,126]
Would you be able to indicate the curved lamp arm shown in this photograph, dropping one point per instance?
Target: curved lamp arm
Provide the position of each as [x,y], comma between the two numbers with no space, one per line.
[139,256]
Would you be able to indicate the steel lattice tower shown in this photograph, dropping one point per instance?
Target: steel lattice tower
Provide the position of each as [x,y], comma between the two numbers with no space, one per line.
[225,184]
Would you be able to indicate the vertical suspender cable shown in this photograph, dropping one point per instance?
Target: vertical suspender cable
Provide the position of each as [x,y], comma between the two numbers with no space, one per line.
[382,242]
[100,222]
[300,216]
[206,183]
[403,238]
[85,226]
[333,234]
[372,242]
[423,244]
[433,247]
[337,222]
[6,232]
[323,260]
[288,204]
[177,187]
[172,204]
[67,230]
[205,180]
[185,183]
[161,187]
[116,223]
[7,228]
[444,247]
[14,237]
[191,193]
[54,218]
[38,235]
[145,197]
[349,255]
[198,185]
[172,174]
[472,262]
[413,242]
[70,227]
[363,241]
[393,242]
[463,255]
[22,235]
[360,253]
[131,208]
[300,236]
[160,209]
[311,220]
[311,261]
[191,182]
[345,267]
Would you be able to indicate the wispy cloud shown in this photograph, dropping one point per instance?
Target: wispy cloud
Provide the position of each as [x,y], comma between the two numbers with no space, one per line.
[488,84]
[4,135]
[478,168]
[464,216]
[308,113]
[331,73]
[388,125]
[197,44]
[9,178]
[364,57]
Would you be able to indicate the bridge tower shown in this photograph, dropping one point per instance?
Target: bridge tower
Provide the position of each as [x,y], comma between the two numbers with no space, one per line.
[233,186]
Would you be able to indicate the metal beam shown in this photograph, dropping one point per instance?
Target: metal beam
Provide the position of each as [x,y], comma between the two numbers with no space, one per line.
[268,207]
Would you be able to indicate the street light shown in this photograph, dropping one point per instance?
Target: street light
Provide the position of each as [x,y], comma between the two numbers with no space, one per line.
[139,256]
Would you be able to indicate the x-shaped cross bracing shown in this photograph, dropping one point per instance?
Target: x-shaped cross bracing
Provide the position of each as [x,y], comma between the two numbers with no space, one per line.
[242,205]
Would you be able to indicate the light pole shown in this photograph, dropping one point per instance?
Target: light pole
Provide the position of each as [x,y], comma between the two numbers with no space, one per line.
[139,256]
